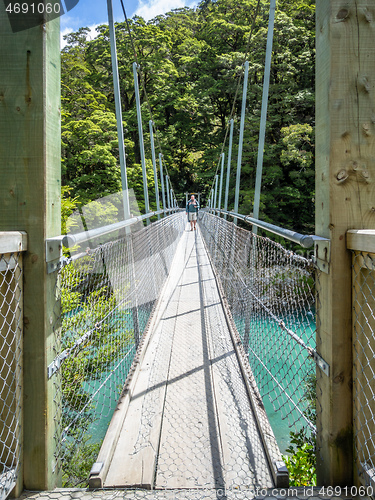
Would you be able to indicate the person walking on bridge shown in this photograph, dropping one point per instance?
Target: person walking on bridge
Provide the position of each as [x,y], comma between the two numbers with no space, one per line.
[192,210]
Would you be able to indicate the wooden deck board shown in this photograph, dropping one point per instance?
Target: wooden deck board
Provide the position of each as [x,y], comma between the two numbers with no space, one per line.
[136,453]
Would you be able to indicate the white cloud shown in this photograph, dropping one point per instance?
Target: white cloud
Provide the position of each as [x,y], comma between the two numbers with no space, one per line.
[63,32]
[65,21]
[152,8]
[90,36]
[93,34]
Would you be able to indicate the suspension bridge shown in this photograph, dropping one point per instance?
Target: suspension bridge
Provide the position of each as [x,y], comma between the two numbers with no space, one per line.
[158,354]
[189,420]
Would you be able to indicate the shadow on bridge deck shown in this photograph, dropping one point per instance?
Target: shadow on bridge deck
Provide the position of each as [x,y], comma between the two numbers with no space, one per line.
[186,419]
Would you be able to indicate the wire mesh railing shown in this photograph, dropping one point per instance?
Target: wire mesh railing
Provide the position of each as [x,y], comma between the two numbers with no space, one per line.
[364,365]
[271,292]
[11,321]
[107,296]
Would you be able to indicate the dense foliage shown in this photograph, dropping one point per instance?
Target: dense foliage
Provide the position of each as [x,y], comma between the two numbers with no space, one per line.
[191,60]
[301,458]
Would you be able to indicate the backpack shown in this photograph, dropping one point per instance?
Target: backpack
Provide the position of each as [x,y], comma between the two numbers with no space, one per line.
[197,207]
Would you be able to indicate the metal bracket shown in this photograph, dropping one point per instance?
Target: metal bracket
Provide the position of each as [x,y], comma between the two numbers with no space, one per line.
[54,255]
[96,468]
[56,363]
[282,475]
[323,365]
[322,254]
[55,266]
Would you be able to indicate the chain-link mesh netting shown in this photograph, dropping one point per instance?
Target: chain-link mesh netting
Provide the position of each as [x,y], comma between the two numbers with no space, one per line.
[297,493]
[10,369]
[364,364]
[107,296]
[271,292]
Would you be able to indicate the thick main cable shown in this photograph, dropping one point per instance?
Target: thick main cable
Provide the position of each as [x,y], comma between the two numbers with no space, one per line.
[145,91]
[237,89]
[235,95]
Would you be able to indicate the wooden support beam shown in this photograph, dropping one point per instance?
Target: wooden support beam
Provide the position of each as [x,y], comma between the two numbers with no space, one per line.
[362,240]
[30,190]
[345,173]
[13,241]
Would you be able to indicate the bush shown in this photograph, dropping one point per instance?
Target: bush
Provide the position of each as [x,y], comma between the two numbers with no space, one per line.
[301,462]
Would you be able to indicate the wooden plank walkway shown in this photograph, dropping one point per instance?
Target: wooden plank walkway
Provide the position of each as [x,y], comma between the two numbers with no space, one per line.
[187,421]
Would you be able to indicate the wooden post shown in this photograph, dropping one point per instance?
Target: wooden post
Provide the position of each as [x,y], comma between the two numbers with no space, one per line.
[30,190]
[345,173]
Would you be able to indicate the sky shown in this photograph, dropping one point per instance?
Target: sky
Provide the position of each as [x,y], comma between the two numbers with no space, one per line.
[91,13]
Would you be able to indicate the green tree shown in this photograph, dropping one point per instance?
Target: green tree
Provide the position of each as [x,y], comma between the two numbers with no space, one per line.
[190,62]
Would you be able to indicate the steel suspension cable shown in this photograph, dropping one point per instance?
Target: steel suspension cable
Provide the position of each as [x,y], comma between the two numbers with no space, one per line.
[232,113]
[235,95]
[145,91]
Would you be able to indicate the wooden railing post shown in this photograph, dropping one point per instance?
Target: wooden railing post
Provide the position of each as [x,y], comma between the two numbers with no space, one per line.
[30,190]
[345,173]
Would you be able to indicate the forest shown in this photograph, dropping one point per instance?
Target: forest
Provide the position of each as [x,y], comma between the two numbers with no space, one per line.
[191,62]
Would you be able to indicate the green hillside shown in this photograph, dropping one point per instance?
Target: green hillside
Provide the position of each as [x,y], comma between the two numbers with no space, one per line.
[191,60]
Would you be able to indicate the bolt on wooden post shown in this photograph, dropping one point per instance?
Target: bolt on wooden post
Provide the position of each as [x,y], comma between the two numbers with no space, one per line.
[345,169]
[30,190]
